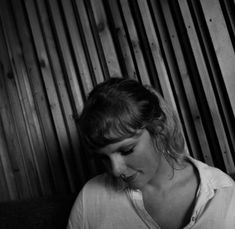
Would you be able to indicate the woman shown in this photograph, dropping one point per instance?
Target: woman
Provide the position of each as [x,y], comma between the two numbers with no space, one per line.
[151,182]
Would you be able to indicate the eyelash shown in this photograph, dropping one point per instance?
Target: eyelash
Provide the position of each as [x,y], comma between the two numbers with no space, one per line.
[104,158]
[125,153]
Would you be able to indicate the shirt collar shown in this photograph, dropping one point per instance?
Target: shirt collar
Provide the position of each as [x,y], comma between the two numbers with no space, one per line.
[211,179]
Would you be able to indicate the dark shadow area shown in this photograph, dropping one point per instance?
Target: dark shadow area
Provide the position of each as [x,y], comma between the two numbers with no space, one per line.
[41,213]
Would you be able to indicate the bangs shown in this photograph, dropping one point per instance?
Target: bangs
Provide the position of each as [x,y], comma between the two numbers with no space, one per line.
[114,130]
[111,127]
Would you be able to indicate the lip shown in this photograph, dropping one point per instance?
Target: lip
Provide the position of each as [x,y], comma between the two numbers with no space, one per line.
[131,178]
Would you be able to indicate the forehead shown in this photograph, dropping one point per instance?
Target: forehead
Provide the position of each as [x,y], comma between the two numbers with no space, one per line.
[123,144]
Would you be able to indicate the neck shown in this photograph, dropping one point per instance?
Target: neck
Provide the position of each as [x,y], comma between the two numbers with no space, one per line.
[166,175]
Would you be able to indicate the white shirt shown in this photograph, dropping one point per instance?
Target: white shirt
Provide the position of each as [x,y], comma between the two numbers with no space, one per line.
[100,205]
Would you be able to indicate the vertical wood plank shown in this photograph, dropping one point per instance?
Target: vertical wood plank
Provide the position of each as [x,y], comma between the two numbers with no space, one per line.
[135,43]
[212,66]
[50,90]
[106,38]
[156,53]
[86,27]
[183,110]
[3,183]
[122,38]
[60,36]
[38,94]
[207,87]
[26,159]
[222,44]
[69,112]
[8,185]
[77,46]
[185,77]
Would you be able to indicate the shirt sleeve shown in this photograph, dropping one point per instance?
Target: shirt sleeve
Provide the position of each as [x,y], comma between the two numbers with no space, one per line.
[77,217]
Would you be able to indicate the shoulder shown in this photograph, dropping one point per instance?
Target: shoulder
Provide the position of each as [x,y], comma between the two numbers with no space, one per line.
[216,191]
[100,190]
[98,202]
[93,188]
[212,176]
[90,202]
[100,185]
[97,182]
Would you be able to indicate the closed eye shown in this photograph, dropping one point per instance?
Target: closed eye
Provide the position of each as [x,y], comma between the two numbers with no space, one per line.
[127,152]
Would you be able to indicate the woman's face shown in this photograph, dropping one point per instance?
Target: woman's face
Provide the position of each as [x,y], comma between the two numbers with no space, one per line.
[136,158]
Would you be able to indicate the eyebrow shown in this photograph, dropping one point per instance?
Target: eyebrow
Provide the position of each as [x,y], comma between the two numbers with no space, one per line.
[131,144]
[121,148]
[127,146]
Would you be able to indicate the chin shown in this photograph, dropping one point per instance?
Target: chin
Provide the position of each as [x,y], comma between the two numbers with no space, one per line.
[136,186]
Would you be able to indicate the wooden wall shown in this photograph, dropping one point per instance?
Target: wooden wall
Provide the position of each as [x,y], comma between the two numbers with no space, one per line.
[52,53]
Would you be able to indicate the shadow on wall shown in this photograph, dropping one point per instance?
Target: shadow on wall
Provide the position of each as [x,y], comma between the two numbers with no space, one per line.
[41,213]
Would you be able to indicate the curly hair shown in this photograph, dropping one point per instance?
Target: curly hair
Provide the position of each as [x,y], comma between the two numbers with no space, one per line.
[117,108]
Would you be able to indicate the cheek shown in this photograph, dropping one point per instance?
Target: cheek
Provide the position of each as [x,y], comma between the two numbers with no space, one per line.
[151,160]
[146,158]
[143,162]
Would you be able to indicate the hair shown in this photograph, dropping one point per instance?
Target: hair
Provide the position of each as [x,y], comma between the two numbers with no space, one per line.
[118,108]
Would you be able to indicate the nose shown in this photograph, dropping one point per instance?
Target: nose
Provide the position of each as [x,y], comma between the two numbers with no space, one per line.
[117,164]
